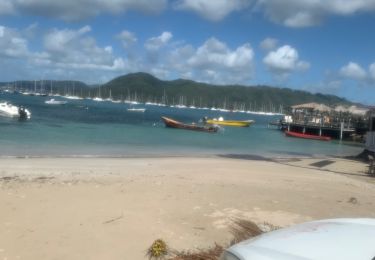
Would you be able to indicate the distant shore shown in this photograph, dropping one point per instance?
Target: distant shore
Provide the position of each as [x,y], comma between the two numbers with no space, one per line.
[113,208]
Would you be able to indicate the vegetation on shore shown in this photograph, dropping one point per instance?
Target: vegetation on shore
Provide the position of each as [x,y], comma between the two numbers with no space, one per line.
[143,87]
[241,229]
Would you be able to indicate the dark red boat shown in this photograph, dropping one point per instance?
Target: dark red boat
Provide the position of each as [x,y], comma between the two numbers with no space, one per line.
[175,124]
[307,136]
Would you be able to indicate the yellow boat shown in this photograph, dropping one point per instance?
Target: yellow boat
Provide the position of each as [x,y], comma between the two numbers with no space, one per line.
[246,123]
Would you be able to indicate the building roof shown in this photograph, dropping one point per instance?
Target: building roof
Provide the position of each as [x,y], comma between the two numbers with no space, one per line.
[313,106]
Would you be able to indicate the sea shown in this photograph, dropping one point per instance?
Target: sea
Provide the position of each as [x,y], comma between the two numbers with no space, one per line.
[87,128]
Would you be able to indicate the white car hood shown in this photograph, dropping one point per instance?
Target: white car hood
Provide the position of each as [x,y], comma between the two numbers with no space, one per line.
[344,239]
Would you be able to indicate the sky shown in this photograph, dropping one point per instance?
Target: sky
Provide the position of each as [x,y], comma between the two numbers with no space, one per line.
[313,45]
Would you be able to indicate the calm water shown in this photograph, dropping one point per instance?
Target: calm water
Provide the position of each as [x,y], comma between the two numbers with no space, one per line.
[86,127]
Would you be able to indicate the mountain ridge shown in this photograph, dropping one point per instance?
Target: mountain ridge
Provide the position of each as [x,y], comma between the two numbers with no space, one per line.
[144,87]
[188,92]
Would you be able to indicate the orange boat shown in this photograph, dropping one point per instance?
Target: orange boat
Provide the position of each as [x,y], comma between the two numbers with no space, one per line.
[175,124]
[307,136]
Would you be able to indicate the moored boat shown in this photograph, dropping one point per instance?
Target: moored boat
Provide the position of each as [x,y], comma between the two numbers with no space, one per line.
[221,121]
[307,136]
[52,101]
[141,110]
[175,124]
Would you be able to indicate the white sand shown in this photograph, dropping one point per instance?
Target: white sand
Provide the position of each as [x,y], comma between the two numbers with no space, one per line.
[99,208]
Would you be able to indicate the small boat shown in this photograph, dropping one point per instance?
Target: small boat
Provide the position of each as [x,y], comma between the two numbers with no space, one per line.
[307,136]
[98,99]
[9,110]
[141,110]
[175,124]
[221,121]
[52,101]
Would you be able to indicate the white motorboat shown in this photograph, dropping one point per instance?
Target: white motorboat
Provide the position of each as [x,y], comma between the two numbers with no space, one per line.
[52,101]
[98,99]
[141,110]
[73,97]
[9,110]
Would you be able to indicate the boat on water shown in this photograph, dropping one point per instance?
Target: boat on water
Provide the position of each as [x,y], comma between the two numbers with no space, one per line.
[9,110]
[52,101]
[307,136]
[221,121]
[140,110]
[98,99]
[175,124]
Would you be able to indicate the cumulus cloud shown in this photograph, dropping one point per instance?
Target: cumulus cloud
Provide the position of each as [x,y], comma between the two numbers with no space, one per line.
[291,13]
[268,44]
[127,38]
[74,49]
[353,71]
[302,13]
[63,52]
[214,62]
[372,71]
[6,7]
[156,43]
[212,10]
[12,43]
[79,9]
[284,61]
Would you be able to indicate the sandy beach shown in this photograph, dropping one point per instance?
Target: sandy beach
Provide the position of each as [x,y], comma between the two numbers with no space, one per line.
[114,208]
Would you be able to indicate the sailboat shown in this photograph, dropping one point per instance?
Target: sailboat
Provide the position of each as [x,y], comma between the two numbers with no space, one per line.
[99,98]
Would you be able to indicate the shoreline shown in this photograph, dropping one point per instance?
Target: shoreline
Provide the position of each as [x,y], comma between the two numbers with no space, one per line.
[244,156]
[114,208]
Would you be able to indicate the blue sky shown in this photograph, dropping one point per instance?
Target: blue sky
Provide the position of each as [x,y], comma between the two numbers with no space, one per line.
[314,45]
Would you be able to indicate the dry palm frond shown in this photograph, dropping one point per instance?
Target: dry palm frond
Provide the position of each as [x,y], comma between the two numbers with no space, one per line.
[268,227]
[243,229]
[207,254]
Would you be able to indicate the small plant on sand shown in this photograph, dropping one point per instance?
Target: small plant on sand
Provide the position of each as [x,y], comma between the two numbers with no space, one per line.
[158,250]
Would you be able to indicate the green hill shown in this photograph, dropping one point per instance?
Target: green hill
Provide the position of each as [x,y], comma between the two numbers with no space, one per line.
[144,87]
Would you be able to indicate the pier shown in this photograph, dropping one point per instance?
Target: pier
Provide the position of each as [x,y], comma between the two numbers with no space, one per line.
[318,119]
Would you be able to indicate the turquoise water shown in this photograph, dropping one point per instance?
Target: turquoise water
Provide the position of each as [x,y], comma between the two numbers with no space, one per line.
[89,128]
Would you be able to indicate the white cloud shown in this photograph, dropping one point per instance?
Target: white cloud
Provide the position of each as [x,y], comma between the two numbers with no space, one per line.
[65,53]
[74,49]
[291,13]
[79,9]
[353,71]
[284,61]
[156,43]
[6,7]
[215,53]
[57,40]
[302,13]
[127,38]
[372,71]
[268,44]
[214,62]
[12,43]
[214,10]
